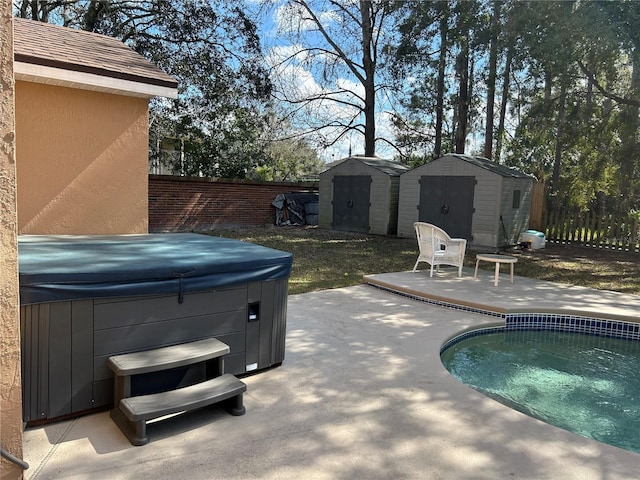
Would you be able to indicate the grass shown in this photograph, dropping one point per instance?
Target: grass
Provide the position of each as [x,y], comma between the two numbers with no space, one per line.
[324,259]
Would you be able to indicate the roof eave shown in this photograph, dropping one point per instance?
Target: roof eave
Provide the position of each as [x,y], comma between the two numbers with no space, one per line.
[88,81]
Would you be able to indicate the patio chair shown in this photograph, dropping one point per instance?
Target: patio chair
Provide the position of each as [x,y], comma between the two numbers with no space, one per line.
[438,248]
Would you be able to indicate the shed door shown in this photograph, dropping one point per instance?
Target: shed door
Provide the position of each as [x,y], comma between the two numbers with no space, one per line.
[351,202]
[448,203]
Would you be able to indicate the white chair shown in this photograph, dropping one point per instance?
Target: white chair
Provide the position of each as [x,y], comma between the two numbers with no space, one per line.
[438,248]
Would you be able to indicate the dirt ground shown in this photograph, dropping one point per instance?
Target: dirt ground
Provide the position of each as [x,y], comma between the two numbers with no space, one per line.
[592,267]
[568,252]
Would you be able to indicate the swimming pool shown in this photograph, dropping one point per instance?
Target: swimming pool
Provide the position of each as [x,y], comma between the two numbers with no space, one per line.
[586,384]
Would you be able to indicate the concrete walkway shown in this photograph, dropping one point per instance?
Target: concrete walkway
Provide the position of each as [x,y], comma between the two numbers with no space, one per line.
[361,395]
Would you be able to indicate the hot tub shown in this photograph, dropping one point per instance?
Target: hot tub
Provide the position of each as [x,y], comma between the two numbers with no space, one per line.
[85,298]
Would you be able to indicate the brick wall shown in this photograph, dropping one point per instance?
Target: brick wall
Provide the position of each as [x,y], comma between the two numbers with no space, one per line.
[184,204]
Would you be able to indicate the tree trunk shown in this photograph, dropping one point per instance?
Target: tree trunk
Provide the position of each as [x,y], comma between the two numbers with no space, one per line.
[471,82]
[560,124]
[506,81]
[491,81]
[369,80]
[462,67]
[629,161]
[442,64]
[547,87]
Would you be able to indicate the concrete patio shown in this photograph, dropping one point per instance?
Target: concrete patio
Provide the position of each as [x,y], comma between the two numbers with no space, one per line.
[361,394]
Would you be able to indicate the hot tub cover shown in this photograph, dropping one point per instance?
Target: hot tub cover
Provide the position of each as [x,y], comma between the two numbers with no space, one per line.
[71,267]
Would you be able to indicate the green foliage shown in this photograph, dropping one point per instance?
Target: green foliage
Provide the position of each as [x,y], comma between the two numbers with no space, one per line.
[225,143]
[224,89]
[289,160]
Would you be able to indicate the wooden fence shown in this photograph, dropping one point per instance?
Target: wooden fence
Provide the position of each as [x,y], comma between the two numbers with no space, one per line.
[538,208]
[616,233]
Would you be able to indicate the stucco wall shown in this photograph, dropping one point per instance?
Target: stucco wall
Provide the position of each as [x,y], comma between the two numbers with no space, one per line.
[10,388]
[81,161]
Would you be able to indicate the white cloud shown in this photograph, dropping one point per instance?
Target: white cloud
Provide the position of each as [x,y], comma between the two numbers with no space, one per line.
[293,18]
[350,86]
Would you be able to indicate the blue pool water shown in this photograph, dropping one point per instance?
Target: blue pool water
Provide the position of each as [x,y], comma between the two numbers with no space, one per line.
[586,384]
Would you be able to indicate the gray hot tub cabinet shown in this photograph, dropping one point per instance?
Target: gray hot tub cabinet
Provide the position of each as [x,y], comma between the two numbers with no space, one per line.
[84,299]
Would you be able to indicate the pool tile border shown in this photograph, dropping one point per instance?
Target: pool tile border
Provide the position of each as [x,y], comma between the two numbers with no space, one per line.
[476,332]
[533,321]
[438,303]
[573,324]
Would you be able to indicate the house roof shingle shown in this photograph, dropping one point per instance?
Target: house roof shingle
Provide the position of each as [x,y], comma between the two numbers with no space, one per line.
[47,45]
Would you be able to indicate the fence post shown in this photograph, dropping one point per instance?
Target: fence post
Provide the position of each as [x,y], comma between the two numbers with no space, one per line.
[563,227]
[580,228]
[606,234]
[551,229]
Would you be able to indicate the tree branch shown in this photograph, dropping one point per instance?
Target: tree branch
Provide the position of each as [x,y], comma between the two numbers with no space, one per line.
[350,64]
[330,96]
[612,96]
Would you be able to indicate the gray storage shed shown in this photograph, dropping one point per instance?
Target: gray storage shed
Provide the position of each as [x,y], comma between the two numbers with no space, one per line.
[360,194]
[469,197]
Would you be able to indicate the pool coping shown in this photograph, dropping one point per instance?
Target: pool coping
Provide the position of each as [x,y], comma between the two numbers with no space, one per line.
[567,319]
[478,297]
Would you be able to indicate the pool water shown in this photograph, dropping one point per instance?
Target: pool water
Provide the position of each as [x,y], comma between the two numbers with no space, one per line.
[586,384]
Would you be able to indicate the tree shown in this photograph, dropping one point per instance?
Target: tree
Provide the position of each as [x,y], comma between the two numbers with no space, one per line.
[465,13]
[422,54]
[580,99]
[567,75]
[212,48]
[340,44]
[491,80]
[510,38]
[439,41]
[624,17]
[290,160]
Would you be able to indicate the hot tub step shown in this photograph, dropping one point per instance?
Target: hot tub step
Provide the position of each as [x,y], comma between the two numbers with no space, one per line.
[164,358]
[138,399]
[132,413]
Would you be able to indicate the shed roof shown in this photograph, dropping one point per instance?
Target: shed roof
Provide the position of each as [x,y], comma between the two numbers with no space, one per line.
[487,164]
[56,55]
[390,167]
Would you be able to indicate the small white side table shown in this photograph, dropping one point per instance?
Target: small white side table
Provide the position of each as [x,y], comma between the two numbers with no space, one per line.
[497,259]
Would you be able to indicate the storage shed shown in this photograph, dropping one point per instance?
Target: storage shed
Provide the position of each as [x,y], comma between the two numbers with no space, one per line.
[360,194]
[469,197]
